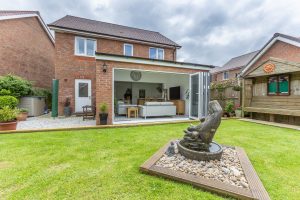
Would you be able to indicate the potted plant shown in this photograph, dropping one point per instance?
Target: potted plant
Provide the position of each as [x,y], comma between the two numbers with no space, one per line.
[67,108]
[8,118]
[23,114]
[238,112]
[103,114]
[229,108]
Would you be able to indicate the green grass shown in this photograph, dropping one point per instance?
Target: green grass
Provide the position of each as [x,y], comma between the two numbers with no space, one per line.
[104,164]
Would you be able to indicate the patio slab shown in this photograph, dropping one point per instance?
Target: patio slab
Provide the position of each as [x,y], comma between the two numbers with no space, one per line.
[47,122]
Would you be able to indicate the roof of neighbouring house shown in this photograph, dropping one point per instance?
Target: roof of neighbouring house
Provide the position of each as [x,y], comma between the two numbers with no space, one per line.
[236,62]
[109,29]
[16,14]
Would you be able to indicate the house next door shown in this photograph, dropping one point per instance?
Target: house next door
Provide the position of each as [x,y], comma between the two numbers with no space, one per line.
[199,94]
[82,94]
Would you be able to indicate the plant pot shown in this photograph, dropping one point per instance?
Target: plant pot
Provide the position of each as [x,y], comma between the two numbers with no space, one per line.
[67,111]
[238,113]
[22,116]
[103,118]
[5,126]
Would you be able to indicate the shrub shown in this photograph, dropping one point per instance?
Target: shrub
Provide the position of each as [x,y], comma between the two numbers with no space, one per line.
[229,106]
[103,108]
[4,92]
[8,114]
[16,85]
[8,101]
[23,110]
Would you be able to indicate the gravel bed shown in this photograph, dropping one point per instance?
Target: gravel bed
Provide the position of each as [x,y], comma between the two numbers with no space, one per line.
[227,170]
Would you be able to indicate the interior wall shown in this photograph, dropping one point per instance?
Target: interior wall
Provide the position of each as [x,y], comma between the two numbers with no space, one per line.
[166,79]
[150,90]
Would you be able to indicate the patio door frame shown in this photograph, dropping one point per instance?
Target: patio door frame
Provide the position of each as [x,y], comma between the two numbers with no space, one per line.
[203,94]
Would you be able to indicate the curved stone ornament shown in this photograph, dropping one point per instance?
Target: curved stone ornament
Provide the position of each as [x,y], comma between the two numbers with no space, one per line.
[197,142]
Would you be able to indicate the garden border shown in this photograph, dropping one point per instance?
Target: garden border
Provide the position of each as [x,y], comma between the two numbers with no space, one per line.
[256,190]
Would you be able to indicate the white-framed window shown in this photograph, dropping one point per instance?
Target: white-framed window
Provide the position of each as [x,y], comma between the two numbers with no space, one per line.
[225,75]
[85,46]
[128,50]
[156,53]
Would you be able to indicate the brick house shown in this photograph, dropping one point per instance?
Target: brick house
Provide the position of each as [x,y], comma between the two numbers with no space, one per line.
[271,81]
[125,67]
[27,47]
[228,75]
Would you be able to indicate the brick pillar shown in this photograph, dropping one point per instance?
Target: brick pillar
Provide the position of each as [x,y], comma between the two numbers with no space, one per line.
[104,89]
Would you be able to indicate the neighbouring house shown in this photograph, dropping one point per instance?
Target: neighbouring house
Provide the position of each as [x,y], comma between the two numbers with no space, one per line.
[227,77]
[26,47]
[129,69]
[271,81]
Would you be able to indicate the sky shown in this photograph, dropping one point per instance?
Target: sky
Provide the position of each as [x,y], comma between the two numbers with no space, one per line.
[209,31]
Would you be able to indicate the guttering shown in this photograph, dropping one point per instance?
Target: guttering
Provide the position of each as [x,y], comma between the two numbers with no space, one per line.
[92,34]
[145,61]
[45,27]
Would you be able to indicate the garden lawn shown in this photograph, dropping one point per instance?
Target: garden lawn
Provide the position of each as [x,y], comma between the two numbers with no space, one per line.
[104,163]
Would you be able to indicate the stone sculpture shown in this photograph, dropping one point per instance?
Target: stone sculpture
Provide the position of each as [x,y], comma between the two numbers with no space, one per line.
[199,137]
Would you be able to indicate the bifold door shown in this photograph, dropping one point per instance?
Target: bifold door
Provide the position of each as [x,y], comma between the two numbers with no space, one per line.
[199,94]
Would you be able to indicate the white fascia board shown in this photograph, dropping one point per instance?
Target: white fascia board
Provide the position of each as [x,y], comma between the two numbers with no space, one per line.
[150,62]
[285,40]
[45,27]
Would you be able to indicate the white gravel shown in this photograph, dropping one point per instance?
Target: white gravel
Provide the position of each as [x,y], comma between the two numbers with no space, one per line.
[47,122]
[227,170]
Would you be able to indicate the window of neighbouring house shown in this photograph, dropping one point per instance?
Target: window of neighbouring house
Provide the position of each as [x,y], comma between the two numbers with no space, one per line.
[128,49]
[225,75]
[156,53]
[278,85]
[85,46]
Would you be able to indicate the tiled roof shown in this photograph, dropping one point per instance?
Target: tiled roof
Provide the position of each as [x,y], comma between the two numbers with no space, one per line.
[16,12]
[108,29]
[236,62]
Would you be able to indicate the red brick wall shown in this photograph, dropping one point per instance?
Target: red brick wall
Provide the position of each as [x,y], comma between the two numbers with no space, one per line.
[232,74]
[26,51]
[69,67]
[104,81]
[279,50]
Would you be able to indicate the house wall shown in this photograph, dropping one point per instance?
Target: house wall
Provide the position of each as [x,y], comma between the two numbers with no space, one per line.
[219,76]
[104,81]
[69,67]
[26,51]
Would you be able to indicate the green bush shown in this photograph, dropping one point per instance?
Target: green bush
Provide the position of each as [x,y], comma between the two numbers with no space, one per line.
[23,110]
[103,108]
[229,106]
[4,92]
[8,101]
[8,114]
[18,86]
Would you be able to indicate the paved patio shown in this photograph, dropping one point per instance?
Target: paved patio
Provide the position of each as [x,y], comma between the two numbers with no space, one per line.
[47,122]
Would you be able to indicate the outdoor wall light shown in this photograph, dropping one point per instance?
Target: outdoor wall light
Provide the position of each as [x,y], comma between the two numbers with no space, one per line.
[104,67]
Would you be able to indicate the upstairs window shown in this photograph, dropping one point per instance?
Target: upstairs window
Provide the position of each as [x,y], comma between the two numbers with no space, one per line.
[128,50]
[225,75]
[279,85]
[156,53]
[85,46]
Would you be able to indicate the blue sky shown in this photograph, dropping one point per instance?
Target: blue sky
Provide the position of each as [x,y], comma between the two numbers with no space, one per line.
[209,31]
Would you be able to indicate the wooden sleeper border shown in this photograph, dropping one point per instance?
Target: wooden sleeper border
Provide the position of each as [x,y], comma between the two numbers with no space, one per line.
[256,189]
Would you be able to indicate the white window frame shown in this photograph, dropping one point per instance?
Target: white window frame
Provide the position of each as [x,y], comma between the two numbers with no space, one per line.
[227,75]
[85,46]
[126,44]
[156,57]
